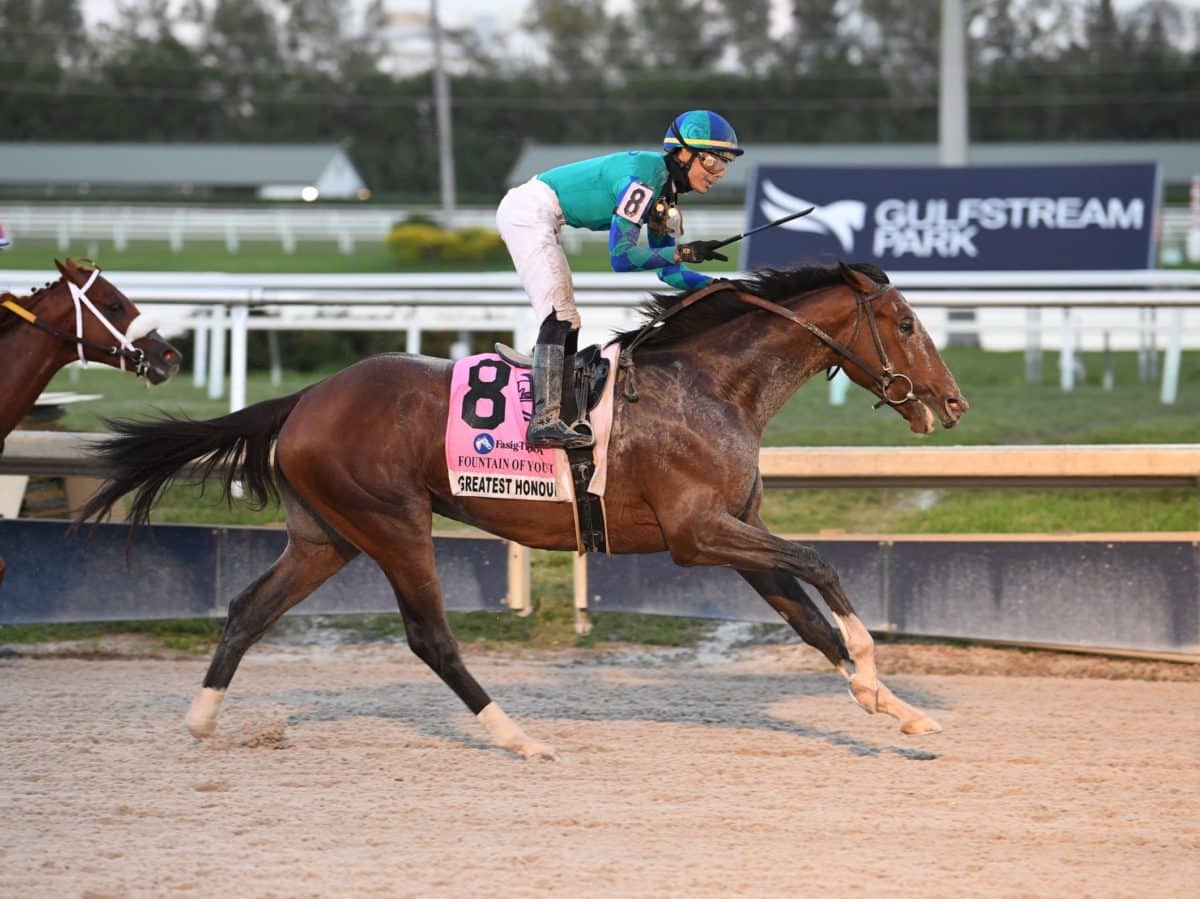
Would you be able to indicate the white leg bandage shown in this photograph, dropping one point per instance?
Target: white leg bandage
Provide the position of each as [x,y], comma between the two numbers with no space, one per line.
[507,735]
[202,716]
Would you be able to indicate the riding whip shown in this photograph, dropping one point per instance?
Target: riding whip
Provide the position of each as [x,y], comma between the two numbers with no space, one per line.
[786,218]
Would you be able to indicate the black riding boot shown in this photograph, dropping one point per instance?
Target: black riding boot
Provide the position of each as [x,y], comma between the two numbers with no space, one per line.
[546,428]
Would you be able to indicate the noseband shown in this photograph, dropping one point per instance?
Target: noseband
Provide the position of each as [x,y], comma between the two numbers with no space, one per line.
[884,377]
[124,349]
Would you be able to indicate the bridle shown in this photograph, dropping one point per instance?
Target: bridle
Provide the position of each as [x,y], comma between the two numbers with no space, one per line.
[124,348]
[883,376]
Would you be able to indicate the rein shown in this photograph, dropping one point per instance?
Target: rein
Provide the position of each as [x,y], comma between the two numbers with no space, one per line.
[884,376]
[124,349]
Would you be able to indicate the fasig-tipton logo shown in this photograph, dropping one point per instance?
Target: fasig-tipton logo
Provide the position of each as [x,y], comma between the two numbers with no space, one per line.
[949,228]
[484,444]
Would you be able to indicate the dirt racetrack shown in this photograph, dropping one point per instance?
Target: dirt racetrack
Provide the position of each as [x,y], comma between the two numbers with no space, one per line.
[349,770]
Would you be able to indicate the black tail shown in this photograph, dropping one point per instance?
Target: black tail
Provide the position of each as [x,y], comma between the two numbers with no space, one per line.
[147,456]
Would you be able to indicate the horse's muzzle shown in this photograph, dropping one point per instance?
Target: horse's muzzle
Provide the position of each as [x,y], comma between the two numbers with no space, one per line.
[160,361]
[953,408]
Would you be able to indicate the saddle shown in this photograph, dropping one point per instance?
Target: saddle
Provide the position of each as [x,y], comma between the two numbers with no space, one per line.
[589,371]
[581,392]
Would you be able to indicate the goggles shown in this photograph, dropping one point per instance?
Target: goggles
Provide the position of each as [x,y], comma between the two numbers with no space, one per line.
[714,163]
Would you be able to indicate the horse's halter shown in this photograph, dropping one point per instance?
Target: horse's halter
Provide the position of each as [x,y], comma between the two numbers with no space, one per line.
[124,350]
[884,376]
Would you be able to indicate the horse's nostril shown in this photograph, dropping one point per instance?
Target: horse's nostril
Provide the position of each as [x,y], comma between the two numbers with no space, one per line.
[957,404]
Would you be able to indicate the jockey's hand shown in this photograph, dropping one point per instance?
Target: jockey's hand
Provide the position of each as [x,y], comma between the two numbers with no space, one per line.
[700,251]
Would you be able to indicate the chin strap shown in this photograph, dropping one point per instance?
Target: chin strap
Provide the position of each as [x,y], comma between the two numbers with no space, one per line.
[679,172]
[677,175]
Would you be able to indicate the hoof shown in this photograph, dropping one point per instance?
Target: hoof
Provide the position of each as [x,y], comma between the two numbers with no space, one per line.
[200,727]
[919,727]
[201,718]
[534,750]
[866,695]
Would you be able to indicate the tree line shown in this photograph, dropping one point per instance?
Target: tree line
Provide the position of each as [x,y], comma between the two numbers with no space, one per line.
[579,72]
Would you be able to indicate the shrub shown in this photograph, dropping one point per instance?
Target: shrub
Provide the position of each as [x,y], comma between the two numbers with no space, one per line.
[417,243]
[476,245]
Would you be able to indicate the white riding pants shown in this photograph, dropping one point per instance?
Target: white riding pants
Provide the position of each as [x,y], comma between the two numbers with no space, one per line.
[529,219]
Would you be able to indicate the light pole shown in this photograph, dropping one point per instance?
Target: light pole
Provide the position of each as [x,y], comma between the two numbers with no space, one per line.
[953,131]
[952,87]
[441,99]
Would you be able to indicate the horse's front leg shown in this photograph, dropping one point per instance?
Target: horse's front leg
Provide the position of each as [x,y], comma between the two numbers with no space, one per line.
[722,539]
[785,595]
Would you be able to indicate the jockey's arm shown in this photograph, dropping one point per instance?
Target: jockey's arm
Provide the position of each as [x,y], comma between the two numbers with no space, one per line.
[676,274]
[627,256]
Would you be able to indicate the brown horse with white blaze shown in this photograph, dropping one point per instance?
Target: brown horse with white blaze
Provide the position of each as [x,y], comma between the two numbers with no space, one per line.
[81,316]
[360,467]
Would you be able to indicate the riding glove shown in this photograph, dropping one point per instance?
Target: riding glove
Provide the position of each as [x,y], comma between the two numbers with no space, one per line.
[701,251]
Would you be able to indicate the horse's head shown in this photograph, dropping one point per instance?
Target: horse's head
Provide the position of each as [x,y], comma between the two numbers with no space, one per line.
[909,373]
[108,328]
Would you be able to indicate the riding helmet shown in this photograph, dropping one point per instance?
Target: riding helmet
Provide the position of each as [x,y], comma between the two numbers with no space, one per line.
[702,129]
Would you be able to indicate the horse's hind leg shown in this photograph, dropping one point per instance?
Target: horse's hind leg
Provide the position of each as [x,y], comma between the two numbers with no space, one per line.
[310,558]
[430,637]
[397,535]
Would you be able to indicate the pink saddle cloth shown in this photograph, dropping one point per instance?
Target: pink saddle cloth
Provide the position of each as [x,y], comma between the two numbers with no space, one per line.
[491,403]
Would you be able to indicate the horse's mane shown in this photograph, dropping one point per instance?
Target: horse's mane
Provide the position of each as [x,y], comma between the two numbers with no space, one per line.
[9,319]
[722,307]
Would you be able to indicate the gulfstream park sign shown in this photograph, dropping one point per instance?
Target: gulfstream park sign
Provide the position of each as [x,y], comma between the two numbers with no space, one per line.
[1044,217]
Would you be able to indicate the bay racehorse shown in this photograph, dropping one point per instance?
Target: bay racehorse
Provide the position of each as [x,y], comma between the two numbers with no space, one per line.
[359,466]
[79,316]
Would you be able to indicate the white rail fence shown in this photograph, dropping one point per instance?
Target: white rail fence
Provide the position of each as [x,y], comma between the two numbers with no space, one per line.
[1068,311]
[69,224]
[347,226]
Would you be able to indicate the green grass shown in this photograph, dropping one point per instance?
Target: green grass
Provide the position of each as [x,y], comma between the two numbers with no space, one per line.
[981,511]
[200,256]
[1006,410]
[186,635]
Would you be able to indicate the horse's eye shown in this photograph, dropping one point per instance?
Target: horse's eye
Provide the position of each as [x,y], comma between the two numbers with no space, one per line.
[906,326]
[114,306]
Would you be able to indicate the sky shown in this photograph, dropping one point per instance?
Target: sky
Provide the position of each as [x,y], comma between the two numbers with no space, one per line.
[456,13]
[453,12]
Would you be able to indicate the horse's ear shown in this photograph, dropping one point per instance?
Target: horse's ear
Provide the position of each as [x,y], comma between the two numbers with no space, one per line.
[856,279]
[69,270]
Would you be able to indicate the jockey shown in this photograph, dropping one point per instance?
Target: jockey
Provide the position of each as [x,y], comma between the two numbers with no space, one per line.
[619,193]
